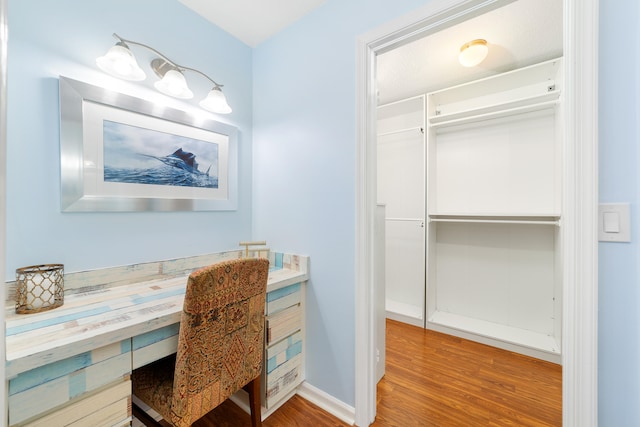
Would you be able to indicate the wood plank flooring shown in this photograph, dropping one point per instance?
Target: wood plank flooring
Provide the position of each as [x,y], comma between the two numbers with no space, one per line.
[296,412]
[434,379]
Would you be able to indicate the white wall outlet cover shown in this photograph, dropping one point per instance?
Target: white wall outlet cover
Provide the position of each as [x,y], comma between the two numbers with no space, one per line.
[614,224]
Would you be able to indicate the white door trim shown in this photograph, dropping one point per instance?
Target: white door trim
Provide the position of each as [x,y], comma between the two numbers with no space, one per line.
[580,287]
[4,30]
[580,216]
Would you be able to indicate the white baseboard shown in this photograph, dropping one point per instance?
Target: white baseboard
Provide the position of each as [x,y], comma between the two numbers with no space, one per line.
[327,402]
[405,318]
[241,398]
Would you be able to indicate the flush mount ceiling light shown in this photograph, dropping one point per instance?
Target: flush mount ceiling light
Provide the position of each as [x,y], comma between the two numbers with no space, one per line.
[473,53]
[120,62]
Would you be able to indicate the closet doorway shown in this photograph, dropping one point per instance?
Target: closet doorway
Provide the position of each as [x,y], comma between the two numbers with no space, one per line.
[579,186]
[469,167]
[579,272]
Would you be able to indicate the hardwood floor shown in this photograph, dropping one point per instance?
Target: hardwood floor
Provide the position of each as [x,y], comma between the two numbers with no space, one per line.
[433,379]
[296,412]
[438,380]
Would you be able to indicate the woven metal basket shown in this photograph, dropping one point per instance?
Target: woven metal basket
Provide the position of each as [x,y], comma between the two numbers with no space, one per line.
[39,288]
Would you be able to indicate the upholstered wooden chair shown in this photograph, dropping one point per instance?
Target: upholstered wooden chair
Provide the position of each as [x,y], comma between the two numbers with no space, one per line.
[220,346]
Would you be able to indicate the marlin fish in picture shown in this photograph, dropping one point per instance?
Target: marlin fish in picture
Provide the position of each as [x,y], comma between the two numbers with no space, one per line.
[182,160]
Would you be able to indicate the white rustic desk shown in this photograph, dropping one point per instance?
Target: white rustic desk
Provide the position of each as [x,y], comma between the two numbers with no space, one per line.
[72,364]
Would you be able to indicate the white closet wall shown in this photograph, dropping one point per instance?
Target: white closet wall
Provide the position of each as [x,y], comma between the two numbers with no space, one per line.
[401,187]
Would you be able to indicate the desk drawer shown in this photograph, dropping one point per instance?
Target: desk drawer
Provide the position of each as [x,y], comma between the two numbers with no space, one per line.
[283,324]
[283,298]
[284,312]
[54,385]
[283,379]
[283,351]
[108,407]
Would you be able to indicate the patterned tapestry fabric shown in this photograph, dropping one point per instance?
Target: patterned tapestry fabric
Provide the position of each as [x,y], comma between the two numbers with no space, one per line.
[220,346]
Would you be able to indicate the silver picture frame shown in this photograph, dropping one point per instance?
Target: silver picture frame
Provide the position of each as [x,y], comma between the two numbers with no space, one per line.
[83,188]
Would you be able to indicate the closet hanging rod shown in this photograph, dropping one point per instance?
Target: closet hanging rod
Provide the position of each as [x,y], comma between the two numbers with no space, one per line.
[393,132]
[472,116]
[404,219]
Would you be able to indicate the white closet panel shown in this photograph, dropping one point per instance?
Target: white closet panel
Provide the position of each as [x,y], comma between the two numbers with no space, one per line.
[401,174]
[500,166]
[405,256]
[497,273]
[401,187]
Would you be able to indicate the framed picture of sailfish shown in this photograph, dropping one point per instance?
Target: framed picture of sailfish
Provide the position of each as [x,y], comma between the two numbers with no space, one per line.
[121,153]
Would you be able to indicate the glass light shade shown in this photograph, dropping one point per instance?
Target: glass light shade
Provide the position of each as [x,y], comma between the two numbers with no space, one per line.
[174,84]
[216,102]
[120,62]
[473,53]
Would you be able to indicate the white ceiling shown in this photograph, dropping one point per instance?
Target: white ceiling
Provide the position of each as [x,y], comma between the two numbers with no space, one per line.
[520,33]
[252,21]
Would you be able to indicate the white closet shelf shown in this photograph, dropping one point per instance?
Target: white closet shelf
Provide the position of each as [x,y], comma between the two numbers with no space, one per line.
[542,219]
[508,334]
[495,221]
[403,106]
[494,111]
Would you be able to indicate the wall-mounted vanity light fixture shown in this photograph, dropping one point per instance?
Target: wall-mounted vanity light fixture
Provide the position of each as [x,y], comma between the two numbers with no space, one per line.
[473,53]
[120,62]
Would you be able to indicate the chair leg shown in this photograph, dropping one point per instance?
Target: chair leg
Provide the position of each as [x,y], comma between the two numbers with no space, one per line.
[253,388]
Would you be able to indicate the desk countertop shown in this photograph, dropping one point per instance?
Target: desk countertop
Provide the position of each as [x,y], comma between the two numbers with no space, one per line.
[98,318]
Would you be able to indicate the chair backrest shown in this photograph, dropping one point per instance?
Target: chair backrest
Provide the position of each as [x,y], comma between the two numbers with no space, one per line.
[221,341]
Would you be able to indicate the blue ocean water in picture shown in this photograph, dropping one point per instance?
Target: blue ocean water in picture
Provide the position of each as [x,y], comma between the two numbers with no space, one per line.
[138,155]
[162,175]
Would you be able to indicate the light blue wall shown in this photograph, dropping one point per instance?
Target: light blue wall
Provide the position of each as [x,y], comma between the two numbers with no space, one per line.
[63,37]
[305,159]
[305,183]
[619,296]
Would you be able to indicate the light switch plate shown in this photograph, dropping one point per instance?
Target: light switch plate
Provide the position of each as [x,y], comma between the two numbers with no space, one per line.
[611,221]
[612,217]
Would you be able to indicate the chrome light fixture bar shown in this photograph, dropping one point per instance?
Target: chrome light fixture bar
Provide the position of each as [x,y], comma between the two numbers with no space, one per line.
[120,62]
